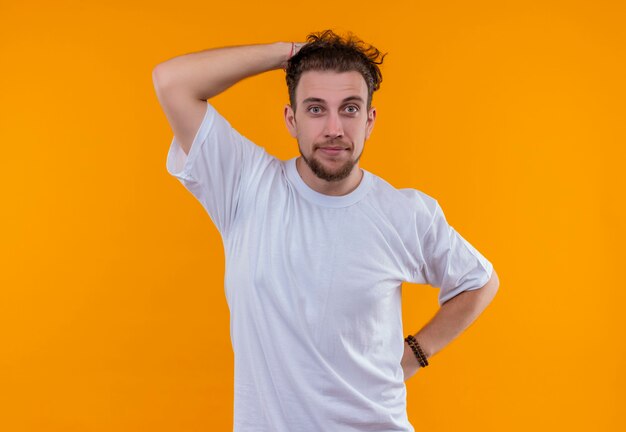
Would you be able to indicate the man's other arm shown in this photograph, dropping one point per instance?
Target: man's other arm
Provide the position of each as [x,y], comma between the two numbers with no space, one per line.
[452,318]
[183,84]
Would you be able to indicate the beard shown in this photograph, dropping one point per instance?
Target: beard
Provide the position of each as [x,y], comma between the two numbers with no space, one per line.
[324,173]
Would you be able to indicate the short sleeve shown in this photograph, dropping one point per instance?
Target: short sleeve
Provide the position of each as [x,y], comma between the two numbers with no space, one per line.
[218,167]
[451,263]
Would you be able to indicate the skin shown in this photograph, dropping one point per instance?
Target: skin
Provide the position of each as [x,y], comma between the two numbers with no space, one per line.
[331,120]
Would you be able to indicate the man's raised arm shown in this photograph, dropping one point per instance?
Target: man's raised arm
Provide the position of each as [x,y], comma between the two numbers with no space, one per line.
[207,73]
[183,84]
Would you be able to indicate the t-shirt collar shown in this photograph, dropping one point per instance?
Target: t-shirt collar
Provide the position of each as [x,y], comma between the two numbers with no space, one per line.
[327,200]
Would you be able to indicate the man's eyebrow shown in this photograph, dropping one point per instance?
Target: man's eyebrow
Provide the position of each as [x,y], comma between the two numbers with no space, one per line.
[349,98]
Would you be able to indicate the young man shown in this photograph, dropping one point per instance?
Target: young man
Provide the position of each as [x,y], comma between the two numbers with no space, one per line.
[316,247]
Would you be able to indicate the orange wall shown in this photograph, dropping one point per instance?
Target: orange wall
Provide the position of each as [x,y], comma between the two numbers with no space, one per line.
[511,114]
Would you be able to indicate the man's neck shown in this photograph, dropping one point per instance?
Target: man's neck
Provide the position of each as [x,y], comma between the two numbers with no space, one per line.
[335,188]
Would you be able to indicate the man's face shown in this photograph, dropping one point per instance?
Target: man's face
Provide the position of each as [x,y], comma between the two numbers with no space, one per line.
[331,122]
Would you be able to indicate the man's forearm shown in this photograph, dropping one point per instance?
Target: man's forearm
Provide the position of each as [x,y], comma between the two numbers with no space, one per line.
[452,318]
[207,73]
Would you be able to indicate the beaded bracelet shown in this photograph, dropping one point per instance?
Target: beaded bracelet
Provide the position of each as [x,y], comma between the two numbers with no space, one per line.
[417,350]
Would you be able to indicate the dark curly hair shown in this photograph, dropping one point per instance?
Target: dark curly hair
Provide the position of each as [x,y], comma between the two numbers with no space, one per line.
[329,51]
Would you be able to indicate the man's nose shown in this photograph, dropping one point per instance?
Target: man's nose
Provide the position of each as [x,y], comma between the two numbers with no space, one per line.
[334,127]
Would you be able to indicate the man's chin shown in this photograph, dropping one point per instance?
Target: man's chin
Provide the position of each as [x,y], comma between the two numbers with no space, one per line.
[322,171]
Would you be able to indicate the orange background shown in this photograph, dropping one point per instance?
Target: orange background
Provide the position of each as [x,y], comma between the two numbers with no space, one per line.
[511,114]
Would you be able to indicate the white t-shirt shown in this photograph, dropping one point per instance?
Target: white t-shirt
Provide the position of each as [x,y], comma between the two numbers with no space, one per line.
[313,283]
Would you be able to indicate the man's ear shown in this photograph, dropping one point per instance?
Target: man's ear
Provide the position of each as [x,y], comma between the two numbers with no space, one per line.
[290,121]
[371,119]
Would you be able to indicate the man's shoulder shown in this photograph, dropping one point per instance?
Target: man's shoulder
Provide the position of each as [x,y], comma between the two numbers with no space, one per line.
[413,198]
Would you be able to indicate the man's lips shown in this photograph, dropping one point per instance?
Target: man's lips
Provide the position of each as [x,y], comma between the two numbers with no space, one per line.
[332,151]
[334,147]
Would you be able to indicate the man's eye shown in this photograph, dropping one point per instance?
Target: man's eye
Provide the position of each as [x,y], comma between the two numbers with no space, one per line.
[351,109]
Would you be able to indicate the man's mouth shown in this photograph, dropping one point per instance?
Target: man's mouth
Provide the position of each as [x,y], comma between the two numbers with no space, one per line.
[332,150]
